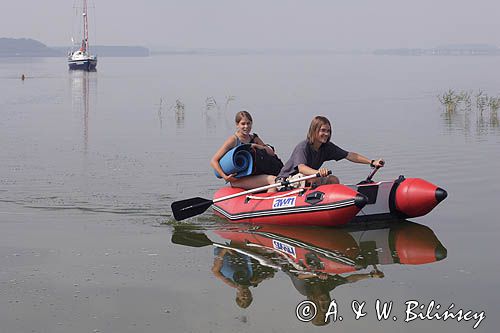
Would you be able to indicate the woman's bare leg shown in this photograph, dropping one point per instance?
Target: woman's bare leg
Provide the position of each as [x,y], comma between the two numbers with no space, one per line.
[333,180]
[251,182]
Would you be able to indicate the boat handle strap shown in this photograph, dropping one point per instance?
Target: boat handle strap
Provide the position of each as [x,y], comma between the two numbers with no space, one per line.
[249,197]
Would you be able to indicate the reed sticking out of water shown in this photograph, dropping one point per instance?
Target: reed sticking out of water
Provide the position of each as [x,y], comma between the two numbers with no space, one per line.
[465,97]
[179,106]
[469,101]
[229,99]
[178,111]
[481,101]
[450,100]
[211,103]
[494,103]
[160,116]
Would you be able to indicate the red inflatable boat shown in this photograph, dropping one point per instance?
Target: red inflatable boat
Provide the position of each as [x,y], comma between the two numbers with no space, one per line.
[332,205]
[325,205]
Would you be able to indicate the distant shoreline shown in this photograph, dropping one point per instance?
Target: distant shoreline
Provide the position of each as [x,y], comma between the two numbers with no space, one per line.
[25,47]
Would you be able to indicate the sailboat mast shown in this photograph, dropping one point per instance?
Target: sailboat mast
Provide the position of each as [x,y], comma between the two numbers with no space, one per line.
[85,26]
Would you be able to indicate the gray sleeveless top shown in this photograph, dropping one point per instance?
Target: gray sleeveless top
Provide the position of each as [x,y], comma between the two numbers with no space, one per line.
[238,141]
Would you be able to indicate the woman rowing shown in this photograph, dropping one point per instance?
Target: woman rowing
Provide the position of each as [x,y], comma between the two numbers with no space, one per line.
[243,135]
[309,155]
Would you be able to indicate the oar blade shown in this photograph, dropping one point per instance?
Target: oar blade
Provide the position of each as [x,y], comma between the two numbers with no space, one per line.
[190,207]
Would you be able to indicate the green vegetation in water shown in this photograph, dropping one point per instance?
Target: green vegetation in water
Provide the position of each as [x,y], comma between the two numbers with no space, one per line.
[465,98]
[211,103]
[494,103]
[481,101]
[177,109]
[468,101]
[450,100]
[177,224]
[229,99]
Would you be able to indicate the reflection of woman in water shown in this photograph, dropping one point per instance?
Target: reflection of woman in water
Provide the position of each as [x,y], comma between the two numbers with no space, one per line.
[240,272]
[317,286]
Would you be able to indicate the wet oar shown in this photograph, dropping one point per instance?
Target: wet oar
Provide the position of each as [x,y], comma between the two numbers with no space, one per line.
[194,206]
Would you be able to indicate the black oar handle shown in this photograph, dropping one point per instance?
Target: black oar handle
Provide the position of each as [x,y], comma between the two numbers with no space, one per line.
[369,178]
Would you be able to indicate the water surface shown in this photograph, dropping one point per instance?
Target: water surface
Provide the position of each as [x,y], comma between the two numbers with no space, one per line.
[92,161]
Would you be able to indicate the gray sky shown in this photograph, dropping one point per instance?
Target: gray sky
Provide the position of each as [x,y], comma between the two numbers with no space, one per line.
[330,24]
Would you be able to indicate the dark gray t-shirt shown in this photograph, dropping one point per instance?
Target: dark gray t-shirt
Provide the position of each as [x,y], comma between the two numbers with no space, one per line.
[304,153]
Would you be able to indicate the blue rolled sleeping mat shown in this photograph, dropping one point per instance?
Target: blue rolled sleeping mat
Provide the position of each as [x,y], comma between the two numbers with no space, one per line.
[238,160]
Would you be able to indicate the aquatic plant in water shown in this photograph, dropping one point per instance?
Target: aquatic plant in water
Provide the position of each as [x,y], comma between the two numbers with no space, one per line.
[211,103]
[481,101]
[450,100]
[494,119]
[179,106]
[494,103]
[160,116]
[466,98]
[229,99]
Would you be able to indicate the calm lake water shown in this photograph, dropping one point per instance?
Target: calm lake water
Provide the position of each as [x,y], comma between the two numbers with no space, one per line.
[100,154]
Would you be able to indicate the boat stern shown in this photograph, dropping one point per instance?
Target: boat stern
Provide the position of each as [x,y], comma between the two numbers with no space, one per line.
[415,197]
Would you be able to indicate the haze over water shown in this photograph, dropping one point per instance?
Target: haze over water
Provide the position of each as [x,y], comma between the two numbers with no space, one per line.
[92,161]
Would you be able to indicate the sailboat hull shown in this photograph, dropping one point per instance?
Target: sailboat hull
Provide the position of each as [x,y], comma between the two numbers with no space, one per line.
[86,65]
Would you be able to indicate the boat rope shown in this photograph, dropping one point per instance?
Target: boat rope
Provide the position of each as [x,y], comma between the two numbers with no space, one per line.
[254,197]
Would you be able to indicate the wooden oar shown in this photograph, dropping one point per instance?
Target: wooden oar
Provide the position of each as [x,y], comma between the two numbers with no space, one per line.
[194,206]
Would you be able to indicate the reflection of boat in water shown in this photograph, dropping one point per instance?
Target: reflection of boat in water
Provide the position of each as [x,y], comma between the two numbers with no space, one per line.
[316,250]
[82,58]
[83,90]
[317,260]
[341,251]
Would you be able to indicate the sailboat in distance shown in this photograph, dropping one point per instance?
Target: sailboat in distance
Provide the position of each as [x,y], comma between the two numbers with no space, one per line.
[82,59]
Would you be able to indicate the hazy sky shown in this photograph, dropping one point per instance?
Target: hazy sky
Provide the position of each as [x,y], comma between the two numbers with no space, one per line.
[331,24]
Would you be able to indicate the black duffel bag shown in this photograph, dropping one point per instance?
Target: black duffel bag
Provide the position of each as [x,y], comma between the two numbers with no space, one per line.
[265,164]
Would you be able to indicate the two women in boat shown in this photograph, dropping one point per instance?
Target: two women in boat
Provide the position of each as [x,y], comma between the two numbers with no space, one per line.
[307,158]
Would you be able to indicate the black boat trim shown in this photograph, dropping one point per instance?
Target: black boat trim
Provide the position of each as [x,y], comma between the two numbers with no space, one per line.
[392,198]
